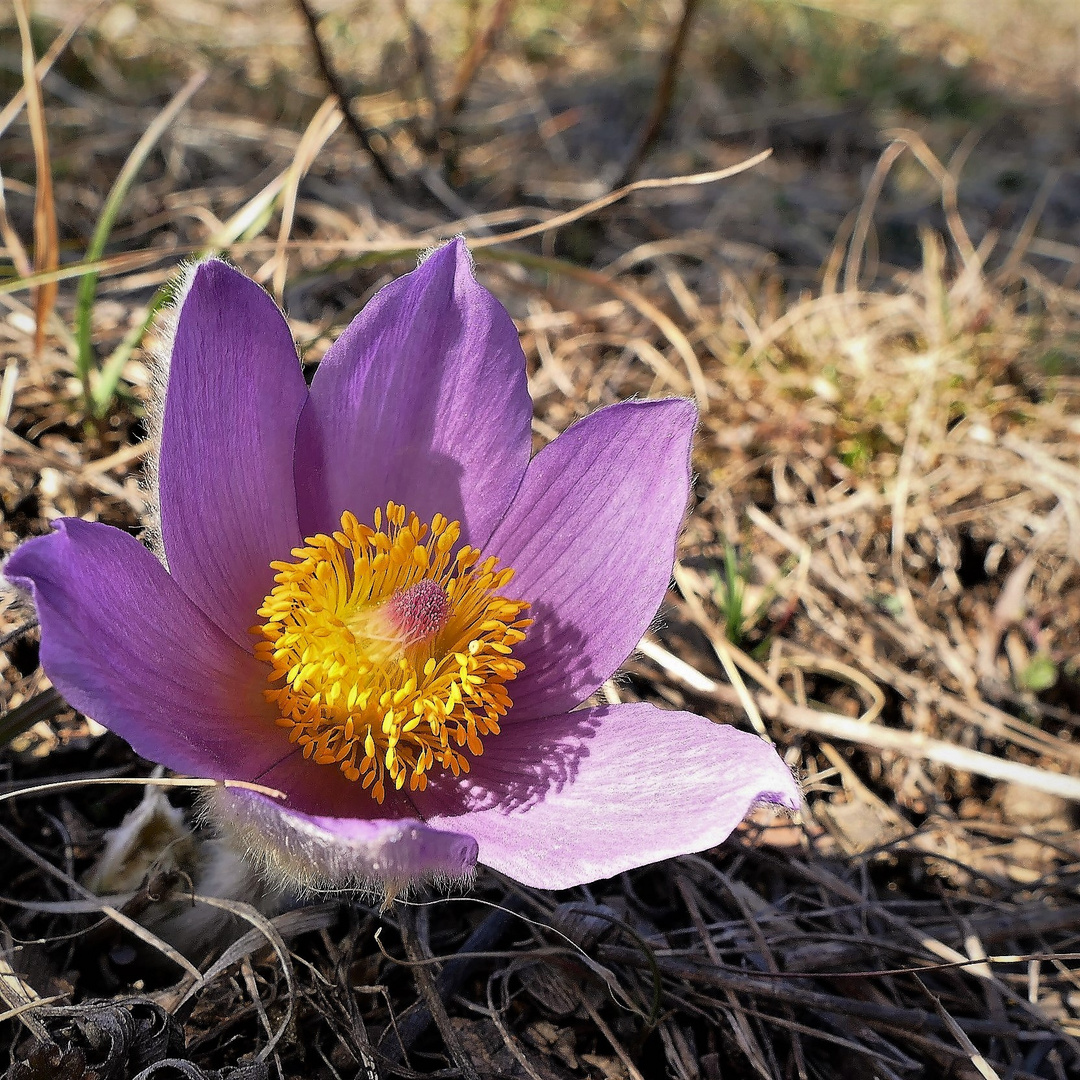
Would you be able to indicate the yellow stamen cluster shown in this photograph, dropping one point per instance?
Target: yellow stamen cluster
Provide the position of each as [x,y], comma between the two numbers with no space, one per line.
[355,682]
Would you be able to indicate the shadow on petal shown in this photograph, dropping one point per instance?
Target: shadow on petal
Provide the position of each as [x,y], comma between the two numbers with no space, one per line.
[323,789]
[591,533]
[450,502]
[560,664]
[519,768]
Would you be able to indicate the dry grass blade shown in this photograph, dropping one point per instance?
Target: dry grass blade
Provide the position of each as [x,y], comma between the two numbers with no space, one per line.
[108,266]
[56,786]
[653,183]
[21,999]
[29,1006]
[635,299]
[977,1060]
[7,395]
[44,65]
[129,924]
[264,932]
[46,237]
[323,124]
[16,250]
[949,181]
[866,215]
[722,647]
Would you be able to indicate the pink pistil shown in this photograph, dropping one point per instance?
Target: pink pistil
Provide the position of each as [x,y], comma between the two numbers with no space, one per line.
[419,612]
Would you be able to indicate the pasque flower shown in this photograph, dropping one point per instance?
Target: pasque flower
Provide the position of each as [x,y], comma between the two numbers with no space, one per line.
[368,596]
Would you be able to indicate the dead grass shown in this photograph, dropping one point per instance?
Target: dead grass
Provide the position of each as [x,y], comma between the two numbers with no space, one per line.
[882,326]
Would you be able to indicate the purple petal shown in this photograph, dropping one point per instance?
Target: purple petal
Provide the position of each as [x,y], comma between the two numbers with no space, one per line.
[323,790]
[422,401]
[234,394]
[332,852]
[565,800]
[591,535]
[124,645]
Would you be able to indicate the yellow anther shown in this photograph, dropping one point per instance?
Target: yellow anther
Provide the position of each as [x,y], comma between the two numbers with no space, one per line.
[387,651]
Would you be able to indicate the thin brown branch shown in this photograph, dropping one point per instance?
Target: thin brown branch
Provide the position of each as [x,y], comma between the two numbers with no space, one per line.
[455,971]
[665,91]
[333,81]
[429,991]
[476,55]
[424,62]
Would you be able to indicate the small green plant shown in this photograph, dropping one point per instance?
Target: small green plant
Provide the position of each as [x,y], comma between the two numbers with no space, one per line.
[1040,674]
[729,593]
[742,605]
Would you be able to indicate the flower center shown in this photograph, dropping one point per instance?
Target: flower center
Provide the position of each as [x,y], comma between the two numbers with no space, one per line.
[388,654]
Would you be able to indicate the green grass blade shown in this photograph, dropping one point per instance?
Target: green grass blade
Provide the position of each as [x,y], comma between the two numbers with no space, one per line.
[84,360]
[104,391]
[246,223]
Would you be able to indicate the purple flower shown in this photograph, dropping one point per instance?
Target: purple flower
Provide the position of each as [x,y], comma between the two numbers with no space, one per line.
[409,674]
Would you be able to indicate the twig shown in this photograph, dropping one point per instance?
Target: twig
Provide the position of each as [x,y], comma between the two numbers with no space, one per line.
[23,717]
[22,628]
[429,991]
[916,745]
[495,1015]
[478,51]
[912,743]
[483,939]
[665,91]
[334,83]
[425,69]
[768,986]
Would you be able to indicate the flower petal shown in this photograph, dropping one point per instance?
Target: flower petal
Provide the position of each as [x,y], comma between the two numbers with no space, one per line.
[565,800]
[311,852]
[422,401]
[124,645]
[235,390]
[591,535]
[323,790]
